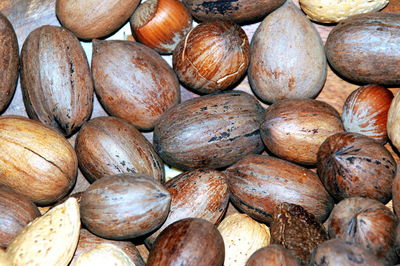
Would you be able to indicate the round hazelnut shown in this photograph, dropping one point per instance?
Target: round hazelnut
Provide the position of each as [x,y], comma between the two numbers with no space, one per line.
[212,57]
[366,111]
[161,24]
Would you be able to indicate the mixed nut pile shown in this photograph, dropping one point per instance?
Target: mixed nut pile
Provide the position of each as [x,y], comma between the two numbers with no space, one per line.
[310,184]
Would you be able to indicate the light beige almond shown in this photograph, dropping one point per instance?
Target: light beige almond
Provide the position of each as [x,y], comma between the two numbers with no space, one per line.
[104,254]
[3,258]
[50,239]
[330,11]
[242,237]
[393,122]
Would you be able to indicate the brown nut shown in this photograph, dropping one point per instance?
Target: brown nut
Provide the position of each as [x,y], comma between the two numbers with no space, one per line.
[201,193]
[351,165]
[239,11]
[133,82]
[91,19]
[294,129]
[109,145]
[161,24]
[258,183]
[16,211]
[124,206]
[273,255]
[55,79]
[287,57]
[359,58]
[297,230]
[9,62]
[210,131]
[35,160]
[396,195]
[366,111]
[212,57]
[341,252]
[366,222]
[184,242]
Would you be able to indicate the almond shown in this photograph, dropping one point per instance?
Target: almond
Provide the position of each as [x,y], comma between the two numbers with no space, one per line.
[50,239]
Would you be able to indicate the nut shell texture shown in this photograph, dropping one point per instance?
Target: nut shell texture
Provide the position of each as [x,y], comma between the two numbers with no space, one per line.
[90,19]
[351,165]
[124,206]
[368,223]
[211,131]
[238,11]
[36,161]
[9,61]
[365,48]
[258,183]
[295,129]
[287,57]
[55,78]
[161,24]
[191,241]
[201,193]
[330,11]
[212,57]
[50,239]
[133,82]
[366,112]
[109,146]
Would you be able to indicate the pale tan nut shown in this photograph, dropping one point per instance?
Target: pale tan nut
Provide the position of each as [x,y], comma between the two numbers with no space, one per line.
[48,240]
[393,123]
[331,11]
[104,254]
[3,258]
[242,237]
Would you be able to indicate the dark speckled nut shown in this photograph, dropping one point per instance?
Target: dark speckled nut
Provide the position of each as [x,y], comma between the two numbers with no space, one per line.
[341,252]
[239,11]
[211,131]
[351,165]
[109,146]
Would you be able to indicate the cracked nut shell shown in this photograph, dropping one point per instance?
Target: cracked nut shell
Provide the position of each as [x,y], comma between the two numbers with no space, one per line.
[36,161]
